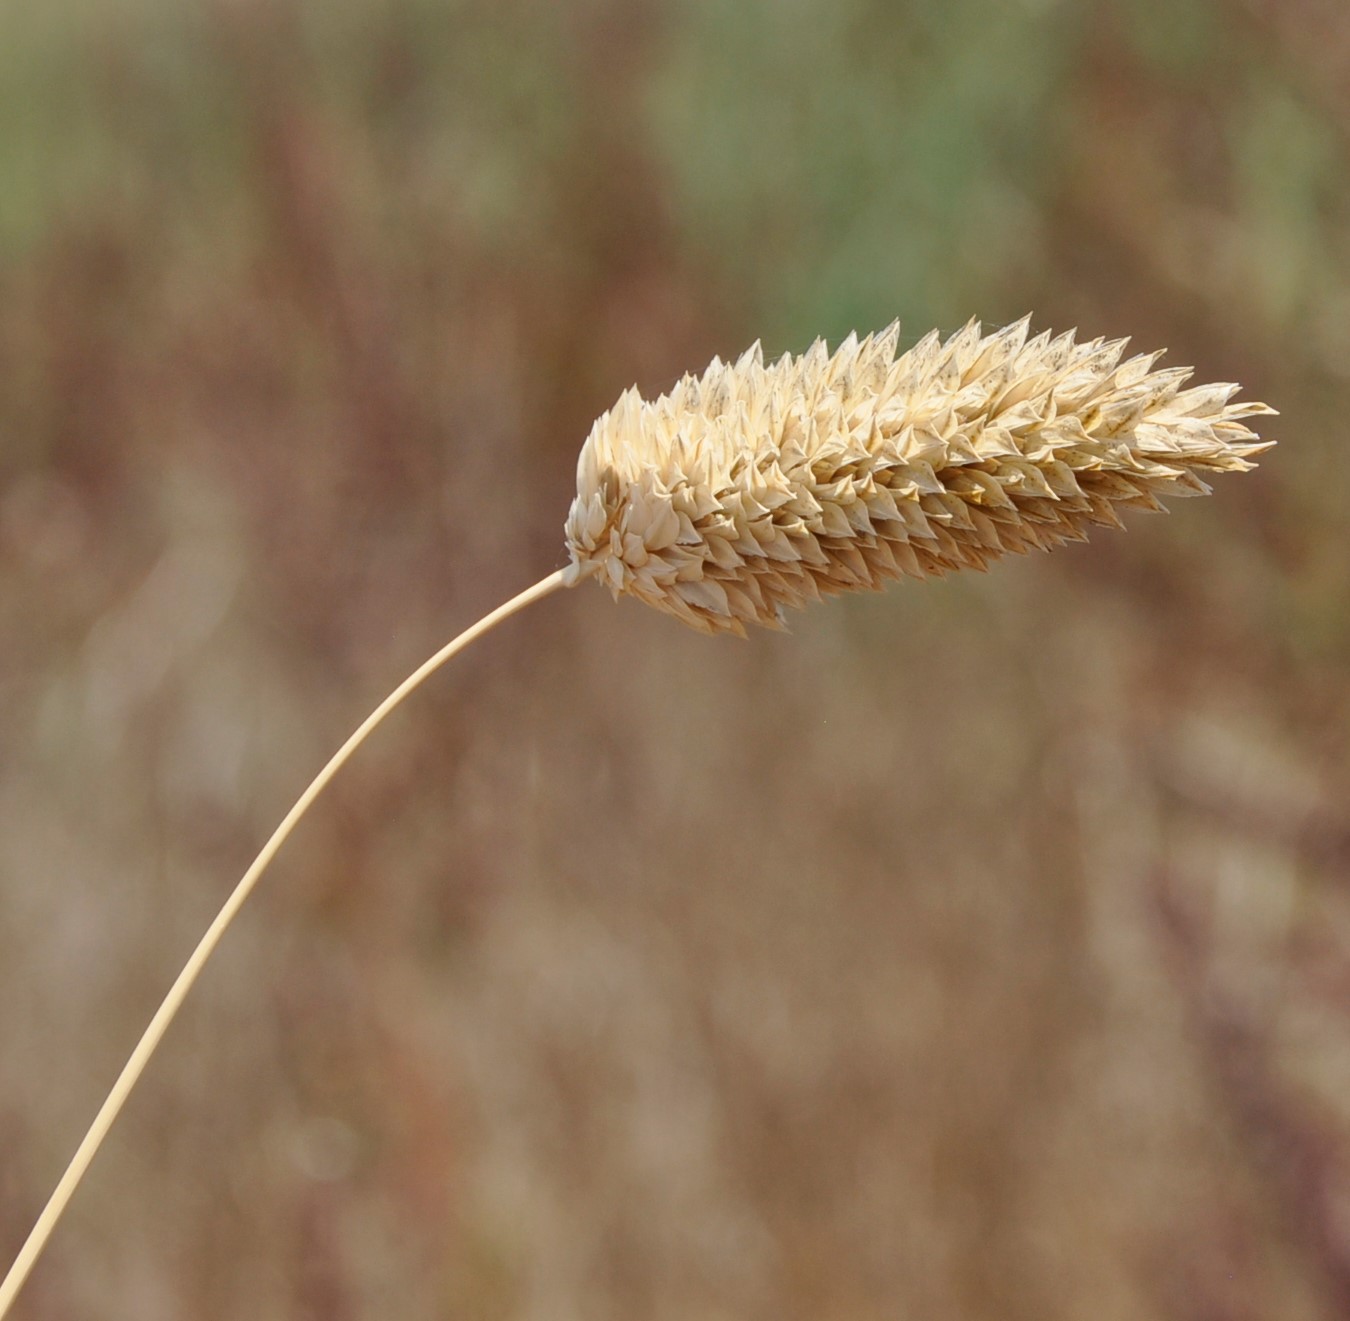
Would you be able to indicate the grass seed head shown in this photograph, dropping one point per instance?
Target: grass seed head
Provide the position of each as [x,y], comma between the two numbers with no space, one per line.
[754,487]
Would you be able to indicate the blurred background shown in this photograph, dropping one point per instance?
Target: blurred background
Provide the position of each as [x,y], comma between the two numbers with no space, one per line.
[979,950]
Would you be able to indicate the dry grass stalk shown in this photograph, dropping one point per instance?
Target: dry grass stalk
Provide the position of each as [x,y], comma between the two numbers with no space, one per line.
[755,488]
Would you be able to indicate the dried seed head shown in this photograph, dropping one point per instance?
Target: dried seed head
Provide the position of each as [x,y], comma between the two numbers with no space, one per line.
[754,488]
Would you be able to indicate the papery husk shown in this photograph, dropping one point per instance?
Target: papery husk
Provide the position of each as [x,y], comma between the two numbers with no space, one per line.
[757,488]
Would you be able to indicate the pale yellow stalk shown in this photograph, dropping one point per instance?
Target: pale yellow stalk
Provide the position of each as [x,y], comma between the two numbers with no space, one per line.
[172,1002]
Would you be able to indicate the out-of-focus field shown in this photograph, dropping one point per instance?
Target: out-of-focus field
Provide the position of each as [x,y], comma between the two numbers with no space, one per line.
[976,951]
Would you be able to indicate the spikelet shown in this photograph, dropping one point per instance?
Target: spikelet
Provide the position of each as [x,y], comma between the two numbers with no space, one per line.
[756,488]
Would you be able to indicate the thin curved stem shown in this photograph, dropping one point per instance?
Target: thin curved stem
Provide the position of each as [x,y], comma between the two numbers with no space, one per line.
[164,1015]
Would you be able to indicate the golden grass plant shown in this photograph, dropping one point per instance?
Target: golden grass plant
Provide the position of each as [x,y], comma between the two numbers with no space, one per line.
[756,488]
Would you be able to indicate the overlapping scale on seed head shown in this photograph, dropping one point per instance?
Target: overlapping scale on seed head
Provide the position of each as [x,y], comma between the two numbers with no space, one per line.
[759,487]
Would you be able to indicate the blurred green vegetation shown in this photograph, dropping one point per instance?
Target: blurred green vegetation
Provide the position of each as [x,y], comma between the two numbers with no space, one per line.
[980,950]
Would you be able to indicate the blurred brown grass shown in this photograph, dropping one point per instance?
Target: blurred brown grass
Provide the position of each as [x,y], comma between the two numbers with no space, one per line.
[979,950]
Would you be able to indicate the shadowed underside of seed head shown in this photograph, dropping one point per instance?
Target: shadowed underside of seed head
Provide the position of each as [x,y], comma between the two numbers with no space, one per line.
[755,488]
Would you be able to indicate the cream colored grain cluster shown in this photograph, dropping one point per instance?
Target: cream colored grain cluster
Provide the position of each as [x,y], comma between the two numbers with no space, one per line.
[756,488]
